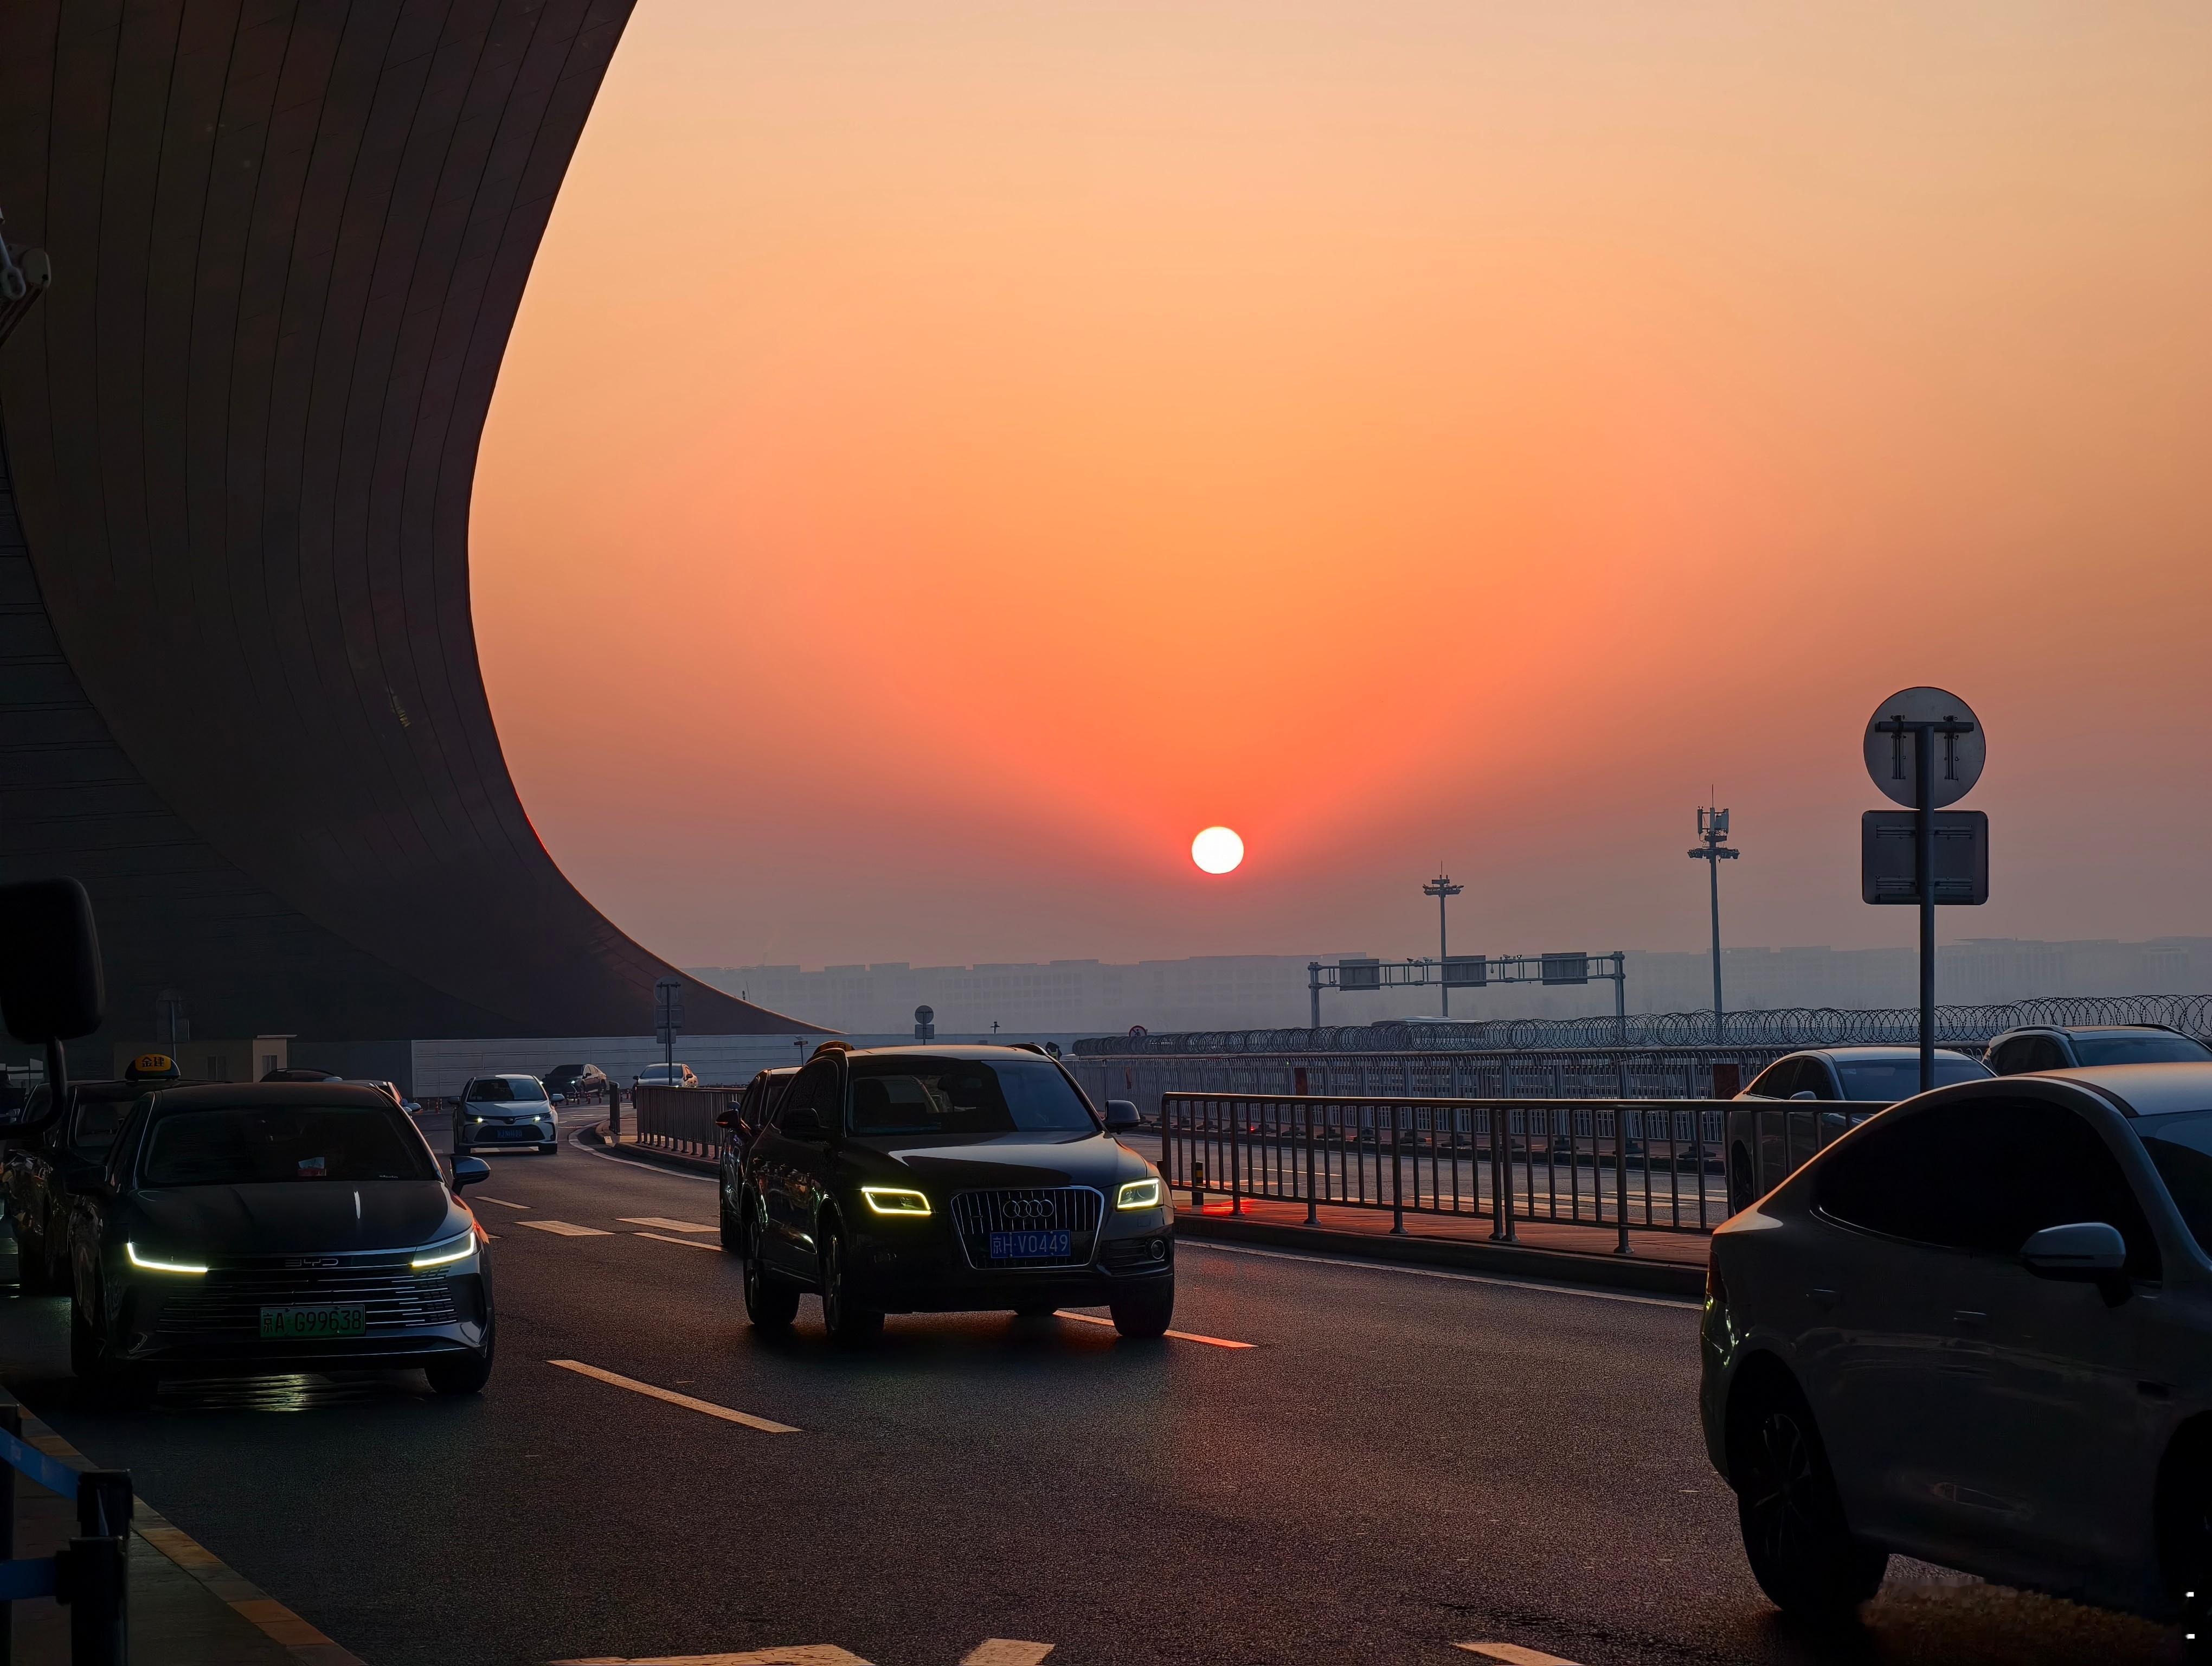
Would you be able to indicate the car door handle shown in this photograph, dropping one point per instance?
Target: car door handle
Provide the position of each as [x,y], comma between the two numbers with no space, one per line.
[1823,1299]
[1967,1318]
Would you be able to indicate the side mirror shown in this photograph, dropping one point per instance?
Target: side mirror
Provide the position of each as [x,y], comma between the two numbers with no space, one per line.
[1121,1116]
[1804,1093]
[51,989]
[411,1107]
[728,1119]
[467,1171]
[2086,1250]
[560,1098]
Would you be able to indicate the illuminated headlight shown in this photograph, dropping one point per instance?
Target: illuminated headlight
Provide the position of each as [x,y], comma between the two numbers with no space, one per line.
[445,1253]
[894,1201]
[156,1264]
[1138,1193]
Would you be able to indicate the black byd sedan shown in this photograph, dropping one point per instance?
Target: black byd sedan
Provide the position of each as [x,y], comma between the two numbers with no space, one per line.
[275,1226]
[911,1180]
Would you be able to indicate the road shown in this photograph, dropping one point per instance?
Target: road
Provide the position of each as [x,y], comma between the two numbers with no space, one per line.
[1400,1462]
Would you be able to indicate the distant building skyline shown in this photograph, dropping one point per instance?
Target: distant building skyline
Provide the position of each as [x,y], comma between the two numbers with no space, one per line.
[1215,992]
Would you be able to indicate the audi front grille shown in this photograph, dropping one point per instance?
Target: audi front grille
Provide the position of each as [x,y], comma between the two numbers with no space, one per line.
[1074,1210]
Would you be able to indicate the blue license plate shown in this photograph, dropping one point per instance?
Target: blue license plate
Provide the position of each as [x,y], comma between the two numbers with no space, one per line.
[1029,1246]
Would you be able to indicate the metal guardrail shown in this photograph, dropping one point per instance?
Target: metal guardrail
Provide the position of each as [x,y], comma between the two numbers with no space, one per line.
[1628,1165]
[89,1576]
[1781,1028]
[681,1120]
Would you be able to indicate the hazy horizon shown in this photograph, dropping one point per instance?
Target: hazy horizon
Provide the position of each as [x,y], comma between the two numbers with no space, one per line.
[948,456]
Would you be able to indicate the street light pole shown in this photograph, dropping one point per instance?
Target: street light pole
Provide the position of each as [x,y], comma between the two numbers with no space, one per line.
[1442,888]
[1713,851]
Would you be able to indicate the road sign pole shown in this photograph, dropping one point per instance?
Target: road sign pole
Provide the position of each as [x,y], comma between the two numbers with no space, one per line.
[1923,865]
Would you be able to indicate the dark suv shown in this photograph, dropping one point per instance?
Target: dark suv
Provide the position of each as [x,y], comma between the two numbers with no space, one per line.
[2068,1047]
[750,1112]
[927,1179]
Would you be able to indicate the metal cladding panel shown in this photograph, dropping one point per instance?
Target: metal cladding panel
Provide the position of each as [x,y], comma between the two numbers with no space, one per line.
[236,656]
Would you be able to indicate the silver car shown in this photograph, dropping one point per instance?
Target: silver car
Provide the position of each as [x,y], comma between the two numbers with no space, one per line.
[506,1110]
[1799,1104]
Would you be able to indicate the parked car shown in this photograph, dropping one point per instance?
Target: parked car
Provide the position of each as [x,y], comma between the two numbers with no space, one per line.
[577,1083]
[919,1179]
[39,1172]
[275,1226]
[506,1110]
[300,1073]
[1978,1331]
[665,1075]
[1765,1144]
[2063,1047]
[739,1123]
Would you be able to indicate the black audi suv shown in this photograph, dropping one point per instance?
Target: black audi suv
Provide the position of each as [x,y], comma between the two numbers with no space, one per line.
[924,1179]
[275,1226]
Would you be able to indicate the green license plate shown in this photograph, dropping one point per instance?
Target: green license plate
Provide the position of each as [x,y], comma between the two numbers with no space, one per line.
[313,1324]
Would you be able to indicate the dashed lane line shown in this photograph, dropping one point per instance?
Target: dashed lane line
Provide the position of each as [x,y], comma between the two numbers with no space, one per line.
[665,1225]
[1532,1284]
[1179,1336]
[1513,1654]
[689,1244]
[1005,1651]
[706,1408]
[501,1201]
[565,1229]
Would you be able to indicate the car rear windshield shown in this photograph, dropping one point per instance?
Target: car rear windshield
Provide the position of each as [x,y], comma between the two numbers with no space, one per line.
[499,1090]
[2140,1049]
[245,1145]
[931,1098]
[1890,1079]
[2180,1148]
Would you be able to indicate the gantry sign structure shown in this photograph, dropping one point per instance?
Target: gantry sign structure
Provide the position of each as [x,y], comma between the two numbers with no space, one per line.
[1355,975]
[241,694]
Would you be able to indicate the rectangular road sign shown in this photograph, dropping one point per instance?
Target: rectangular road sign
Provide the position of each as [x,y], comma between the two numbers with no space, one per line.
[1887,844]
[1359,972]
[1566,969]
[1465,971]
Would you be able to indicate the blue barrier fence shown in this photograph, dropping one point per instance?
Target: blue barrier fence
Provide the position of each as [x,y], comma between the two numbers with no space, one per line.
[88,1576]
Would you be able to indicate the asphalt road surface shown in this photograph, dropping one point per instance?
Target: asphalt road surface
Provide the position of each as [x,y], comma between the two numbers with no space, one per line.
[1398,1462]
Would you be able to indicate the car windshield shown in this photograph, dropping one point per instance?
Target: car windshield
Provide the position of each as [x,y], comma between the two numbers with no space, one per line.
[501,1090]
[245,1145]
[2180,1147]
[2152,1048]
[953,1098]
[1887,1080]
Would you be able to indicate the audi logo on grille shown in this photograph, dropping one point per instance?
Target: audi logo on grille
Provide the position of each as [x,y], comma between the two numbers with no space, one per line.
[1027,1208]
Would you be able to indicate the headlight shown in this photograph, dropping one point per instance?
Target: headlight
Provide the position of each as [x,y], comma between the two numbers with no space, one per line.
[1138,1193]
[449,1250]
[153,1264]
[894,1201]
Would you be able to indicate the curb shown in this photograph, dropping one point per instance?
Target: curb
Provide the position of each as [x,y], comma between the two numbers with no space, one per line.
[595,1137]
[1645,1276]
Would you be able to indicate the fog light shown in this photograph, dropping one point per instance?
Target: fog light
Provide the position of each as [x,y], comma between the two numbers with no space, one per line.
[1159,1248]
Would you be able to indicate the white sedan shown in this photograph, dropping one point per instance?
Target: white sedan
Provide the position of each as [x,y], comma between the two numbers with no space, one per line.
[1978,1331]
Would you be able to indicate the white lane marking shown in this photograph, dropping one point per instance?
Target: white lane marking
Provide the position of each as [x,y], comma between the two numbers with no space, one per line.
[707,1407]
[665,1224]
[564,1229]
[576,1140]
[1513,1654]
[1005,1651]
[803,1654]
[501,1201]
[1179,1336]
[689,1244]
[1438,1273]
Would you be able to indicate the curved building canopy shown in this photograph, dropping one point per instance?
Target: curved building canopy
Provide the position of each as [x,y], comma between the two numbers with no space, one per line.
[237,666]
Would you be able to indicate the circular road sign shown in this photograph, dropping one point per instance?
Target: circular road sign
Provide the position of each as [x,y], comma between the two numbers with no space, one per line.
[1890,758]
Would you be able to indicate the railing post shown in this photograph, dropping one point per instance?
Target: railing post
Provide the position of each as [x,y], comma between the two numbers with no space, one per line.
[1313,1206]
[11,1423]
[1620,1174]
[1505,1191]
[1167,1151]
[1234,1116]
[1397,1175]
[92,1580]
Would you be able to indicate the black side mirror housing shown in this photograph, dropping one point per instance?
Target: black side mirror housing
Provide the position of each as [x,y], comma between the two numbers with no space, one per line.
[467,1171]
[1121,1116]
[560,1098]
[50,984]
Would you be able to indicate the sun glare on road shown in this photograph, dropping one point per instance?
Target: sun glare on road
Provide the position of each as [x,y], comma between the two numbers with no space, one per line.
[1217,849]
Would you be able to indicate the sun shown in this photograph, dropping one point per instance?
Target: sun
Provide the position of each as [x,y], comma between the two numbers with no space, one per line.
[1217,849]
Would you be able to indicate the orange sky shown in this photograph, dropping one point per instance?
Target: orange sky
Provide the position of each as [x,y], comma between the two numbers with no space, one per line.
[952,452]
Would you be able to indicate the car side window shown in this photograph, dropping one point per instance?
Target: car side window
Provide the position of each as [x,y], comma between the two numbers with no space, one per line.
[1816,1077]
[1984,1175]
[2005,1059]
[814,1087]
[1777,1081]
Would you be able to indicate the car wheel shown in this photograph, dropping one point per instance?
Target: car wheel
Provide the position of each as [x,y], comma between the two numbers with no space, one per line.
[847,1323]
[465,1373]
[2185,1537]
[35,1274]
[771,1302]
[1800,1546]
[1739,1192]
[110,1384]
[1144,1312]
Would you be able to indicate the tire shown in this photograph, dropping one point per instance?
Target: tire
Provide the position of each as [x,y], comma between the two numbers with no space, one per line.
[2183,1515]
[848,1325]
[466,1374]
[109,1384]
[771,1302]
[34,1274]
[1794,1536]
[1145,1313]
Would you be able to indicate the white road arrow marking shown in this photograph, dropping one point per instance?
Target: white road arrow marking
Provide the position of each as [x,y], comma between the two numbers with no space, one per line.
[1004,1651]
[1513,1654]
